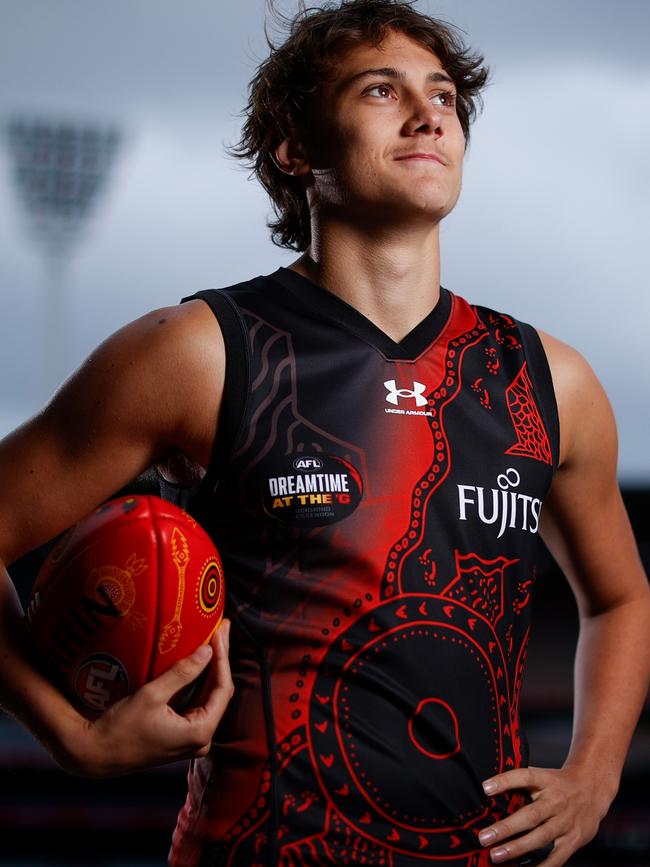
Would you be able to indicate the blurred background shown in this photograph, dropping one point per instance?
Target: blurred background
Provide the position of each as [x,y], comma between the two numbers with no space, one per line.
[116,197]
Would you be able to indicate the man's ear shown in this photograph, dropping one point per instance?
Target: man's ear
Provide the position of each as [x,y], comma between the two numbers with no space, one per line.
[290,156]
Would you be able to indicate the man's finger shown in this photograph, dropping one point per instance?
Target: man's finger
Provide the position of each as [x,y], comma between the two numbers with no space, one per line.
[215,701]
[215,671]
[223,687]
[519,778]
[532,845]
[525,819]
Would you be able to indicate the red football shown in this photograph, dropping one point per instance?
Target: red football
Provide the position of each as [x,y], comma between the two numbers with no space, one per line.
[126,592]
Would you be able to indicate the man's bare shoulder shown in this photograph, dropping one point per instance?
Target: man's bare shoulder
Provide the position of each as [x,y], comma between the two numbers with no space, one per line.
[583,406]
[151,389]
[187,332]
[172,362]
[563,359]
[167,364]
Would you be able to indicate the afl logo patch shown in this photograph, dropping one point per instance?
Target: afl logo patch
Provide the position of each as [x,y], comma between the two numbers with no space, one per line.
[312,490]
[305,463]
[100,681]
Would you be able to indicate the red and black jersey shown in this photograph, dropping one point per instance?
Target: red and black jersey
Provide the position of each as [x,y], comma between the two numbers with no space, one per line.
[376,505]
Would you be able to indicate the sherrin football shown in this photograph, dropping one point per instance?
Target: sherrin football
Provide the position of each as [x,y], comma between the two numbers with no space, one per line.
[130,589]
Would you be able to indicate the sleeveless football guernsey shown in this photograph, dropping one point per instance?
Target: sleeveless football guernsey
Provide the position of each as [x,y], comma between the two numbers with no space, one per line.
[376,505]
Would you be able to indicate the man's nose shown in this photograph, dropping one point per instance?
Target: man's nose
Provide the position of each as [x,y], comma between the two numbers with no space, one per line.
[424,117]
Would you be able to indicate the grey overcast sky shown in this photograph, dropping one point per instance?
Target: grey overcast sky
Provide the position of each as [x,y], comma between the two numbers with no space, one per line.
[552,225]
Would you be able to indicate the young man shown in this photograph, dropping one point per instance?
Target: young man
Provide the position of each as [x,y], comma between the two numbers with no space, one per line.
[376,453]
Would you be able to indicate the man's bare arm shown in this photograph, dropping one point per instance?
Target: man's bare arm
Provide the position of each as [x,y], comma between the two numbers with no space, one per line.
[585,525]
[153,387]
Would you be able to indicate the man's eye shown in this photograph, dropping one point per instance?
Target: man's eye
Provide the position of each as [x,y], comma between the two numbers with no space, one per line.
[446,98]
[380,87]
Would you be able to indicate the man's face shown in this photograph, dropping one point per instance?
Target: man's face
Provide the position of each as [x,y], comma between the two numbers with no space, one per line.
[386,141]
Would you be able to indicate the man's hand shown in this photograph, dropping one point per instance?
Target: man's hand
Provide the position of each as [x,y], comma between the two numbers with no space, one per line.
[143,730]
[567,808]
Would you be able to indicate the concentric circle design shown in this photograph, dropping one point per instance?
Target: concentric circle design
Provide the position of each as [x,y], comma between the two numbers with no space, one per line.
[210,588]
[389,713]
[434,714]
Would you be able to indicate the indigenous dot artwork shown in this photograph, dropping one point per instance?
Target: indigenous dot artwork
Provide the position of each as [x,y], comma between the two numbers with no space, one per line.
[380,512]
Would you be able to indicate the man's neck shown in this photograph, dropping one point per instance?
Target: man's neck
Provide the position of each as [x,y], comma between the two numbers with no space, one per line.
[393,279]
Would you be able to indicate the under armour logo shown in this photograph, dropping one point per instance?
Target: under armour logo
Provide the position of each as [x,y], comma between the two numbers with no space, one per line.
[394,393]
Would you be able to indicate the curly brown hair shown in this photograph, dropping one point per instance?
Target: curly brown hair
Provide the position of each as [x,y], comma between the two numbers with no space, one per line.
[279,94]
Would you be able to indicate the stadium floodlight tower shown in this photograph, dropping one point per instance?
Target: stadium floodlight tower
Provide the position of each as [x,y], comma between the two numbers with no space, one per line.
[60,170]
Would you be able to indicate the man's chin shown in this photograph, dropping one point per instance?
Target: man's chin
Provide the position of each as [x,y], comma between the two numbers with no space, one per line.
[421,201]
[391,212]
[418,210]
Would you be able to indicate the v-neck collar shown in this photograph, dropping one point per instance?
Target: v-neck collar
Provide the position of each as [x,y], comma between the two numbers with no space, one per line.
[320,301]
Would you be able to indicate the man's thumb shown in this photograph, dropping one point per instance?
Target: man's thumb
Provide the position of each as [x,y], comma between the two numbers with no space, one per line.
[185,670]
